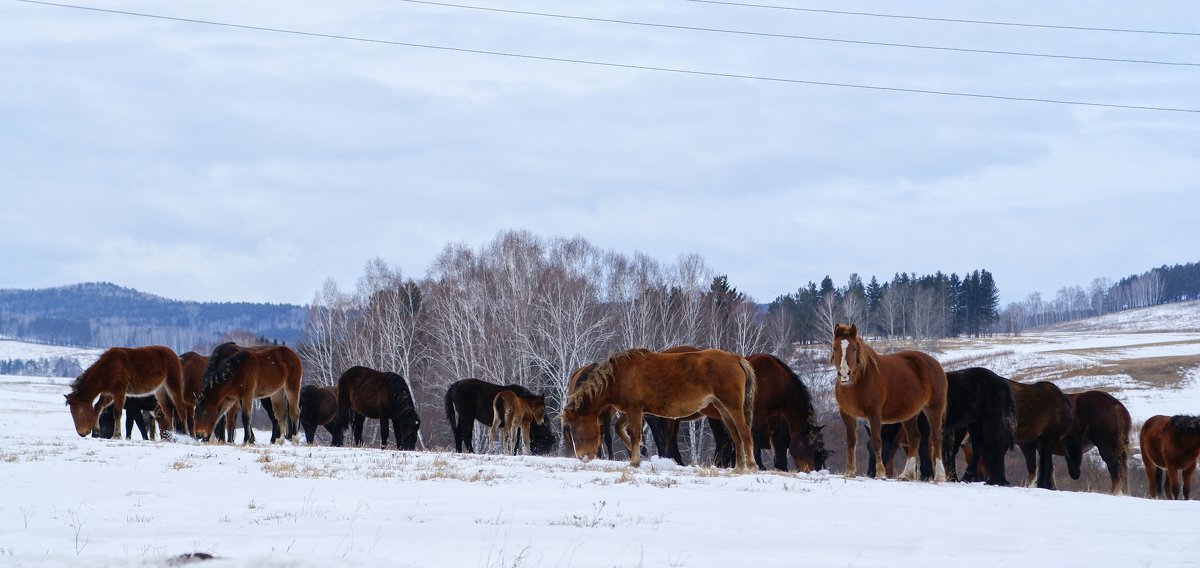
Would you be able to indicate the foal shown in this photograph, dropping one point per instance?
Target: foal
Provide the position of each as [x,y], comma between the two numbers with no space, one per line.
[510,413]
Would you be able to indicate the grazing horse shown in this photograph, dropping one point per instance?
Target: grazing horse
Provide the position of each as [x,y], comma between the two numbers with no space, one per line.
[513,413]
[377,395]
[784,419]
[1044,417]
[887,389]
[1100,420]
[121,372]
[244,374]
[470,400]
[606,417]
[194,365]
[138,411]
[1171,444]
[318,407]
[670,385]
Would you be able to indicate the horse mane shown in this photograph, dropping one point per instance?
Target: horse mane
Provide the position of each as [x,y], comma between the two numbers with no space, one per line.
[593,383]
[1185,424]
[92,369]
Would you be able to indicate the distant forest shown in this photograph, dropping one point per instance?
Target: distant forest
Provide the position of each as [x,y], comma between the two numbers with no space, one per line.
[107,315]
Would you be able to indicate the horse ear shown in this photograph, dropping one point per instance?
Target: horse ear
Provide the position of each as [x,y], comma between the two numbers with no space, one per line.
[853,330]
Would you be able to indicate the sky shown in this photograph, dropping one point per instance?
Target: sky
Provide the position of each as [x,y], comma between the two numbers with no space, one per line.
[208,162]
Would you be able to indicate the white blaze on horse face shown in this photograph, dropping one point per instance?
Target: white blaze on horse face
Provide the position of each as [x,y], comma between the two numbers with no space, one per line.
[843,366]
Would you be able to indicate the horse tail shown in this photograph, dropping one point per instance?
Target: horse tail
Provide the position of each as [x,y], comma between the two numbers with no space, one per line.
[1008,413]
[751,386]
[498,410]
[1124,449]
[343,409]
[449,402]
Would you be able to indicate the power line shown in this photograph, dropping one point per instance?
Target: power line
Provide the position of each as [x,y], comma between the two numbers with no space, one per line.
[801,37]
[950,20]
[614,65]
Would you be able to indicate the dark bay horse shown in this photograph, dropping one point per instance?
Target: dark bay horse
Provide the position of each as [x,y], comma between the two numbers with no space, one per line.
[513,414]
[139,411]
[1100,421]
[887,389]
[121,372]
[244,374]
[470,400]
[1171,444]
[377,395]
[784,419]
[318,407]
[671,385]
[1044,417]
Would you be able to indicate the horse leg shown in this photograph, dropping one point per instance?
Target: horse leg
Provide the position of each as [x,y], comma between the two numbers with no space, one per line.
[525,426]
[934,415]
[118,405]
[621,424]
[723,454]
[781,443]
[247,408]
[1030,451]
[875,422]
[635,437]
[1187,479]
[1045,473]
[851,425]
[359,420]
[383,433]
[606,420]
[1114,473]
[293,411]
[950,447]
[1151,477]
[912,433]
[278,405]
[466,429]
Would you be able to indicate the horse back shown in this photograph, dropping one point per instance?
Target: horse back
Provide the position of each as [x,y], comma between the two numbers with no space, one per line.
[673,385]
[906,383]
[1043,411]
[275,367]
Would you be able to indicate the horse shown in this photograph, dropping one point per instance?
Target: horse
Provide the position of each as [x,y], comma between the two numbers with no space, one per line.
[606,417]
[887,389]
[470,400]
[1171,444]
[670,385]
[121,372]
[378,395]
[140,411]
[1100,421]
[1044,417]
[784,419]
[193,366]
[318,407]
[513,413]
[244,374]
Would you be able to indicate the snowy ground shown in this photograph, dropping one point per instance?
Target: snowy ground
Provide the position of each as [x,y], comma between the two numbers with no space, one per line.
[122,503]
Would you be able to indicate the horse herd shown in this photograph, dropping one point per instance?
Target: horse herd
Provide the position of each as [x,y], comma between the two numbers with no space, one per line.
[755,402]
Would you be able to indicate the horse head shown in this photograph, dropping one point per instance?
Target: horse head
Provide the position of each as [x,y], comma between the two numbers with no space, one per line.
[83,413]
[584,430]
[538,405]
[850,355]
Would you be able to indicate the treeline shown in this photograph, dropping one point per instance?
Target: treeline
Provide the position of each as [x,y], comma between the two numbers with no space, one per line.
[909,306]
[44,367]
[106,315]
[1160,285]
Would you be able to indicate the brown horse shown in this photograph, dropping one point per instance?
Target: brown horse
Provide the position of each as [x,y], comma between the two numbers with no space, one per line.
[121,372]
[606,416]
[1171,444]
[1100,421]
[244,374]
[366,393]
[671,385]
[512,413]
[193,365]
[885,389]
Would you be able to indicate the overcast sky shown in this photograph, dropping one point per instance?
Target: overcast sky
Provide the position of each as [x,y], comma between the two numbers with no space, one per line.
[214,163]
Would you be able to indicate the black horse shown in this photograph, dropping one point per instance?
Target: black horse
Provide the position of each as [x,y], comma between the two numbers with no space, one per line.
[318,407]
[470,400]
[138,410]
[375,394]
[979,403]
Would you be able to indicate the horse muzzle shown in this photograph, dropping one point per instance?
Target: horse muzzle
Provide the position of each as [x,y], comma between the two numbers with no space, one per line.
[845,380]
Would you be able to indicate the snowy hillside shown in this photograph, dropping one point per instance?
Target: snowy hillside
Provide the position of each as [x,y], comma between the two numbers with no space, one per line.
[121,503]
[17,349]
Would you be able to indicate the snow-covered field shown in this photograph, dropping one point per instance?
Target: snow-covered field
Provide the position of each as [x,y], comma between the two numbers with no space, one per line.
[132,503]
[15,349]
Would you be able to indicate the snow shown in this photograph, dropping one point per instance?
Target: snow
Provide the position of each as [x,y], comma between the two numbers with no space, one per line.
[122,503]
[17,349]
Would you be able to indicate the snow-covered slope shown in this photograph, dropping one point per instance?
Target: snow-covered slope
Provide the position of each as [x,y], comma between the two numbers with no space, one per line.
[119,503]
[17,349]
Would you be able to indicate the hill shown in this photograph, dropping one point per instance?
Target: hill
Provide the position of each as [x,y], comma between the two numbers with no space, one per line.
[107,315]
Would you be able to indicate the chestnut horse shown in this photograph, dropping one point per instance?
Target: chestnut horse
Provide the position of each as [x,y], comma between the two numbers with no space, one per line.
[121,372]
[244,374]
[670,385]
[885,389]
[366,393]
[606,417]
[513,414]
[318,407]
[194,365]
[1100,420]
[1171,444]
